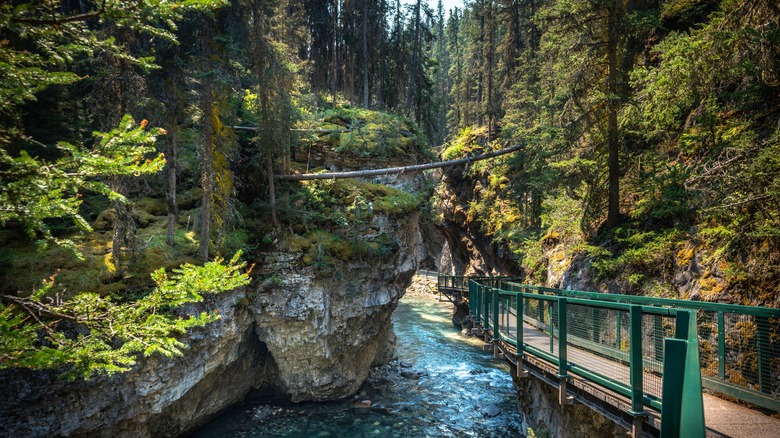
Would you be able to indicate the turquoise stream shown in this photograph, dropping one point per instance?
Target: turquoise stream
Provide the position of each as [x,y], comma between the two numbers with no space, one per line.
[458,381]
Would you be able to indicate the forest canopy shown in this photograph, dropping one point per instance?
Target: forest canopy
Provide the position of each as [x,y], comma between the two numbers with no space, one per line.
[650,133]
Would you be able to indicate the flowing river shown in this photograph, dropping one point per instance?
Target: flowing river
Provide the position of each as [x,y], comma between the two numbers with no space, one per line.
[441,385]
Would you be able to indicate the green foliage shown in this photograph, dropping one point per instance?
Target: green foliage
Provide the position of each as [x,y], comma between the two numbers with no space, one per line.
[363,133]
[332,220]
[34,190]
[90,334]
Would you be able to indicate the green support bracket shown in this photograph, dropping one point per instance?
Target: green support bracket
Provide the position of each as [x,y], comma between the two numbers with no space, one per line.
[496,326]
[672,391]
[519,325]
[636,368]
[563,360]
[721,346]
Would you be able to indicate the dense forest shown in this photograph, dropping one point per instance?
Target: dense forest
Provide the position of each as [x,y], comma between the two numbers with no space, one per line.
[650,133]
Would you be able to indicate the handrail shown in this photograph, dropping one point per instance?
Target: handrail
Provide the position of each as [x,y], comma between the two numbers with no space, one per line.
[736,331]
[739,345]
[653,301]
[559,319]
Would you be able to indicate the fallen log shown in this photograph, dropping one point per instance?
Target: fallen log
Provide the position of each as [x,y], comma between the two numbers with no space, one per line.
[397,170]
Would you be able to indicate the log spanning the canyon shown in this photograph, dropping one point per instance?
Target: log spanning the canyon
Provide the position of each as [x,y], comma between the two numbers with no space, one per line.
[397,170]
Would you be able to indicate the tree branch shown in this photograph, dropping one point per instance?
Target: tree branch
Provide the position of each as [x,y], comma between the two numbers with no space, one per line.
[55,21]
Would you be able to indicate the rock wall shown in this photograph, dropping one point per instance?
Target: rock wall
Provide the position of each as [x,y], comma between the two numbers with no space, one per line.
[312,337]
[160,397]
[467,250]
[542,413]
[325,332]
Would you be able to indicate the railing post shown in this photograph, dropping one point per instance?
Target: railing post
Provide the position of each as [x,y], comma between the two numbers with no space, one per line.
[721,345]
[471,299]
[562,332]
[519,335]
[551,324]
[485,308]
[478,303]
[563,361]
[498,311]
[496,326]
[636,369]
[618,333]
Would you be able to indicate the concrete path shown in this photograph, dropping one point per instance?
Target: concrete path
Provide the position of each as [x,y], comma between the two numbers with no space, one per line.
[726,419]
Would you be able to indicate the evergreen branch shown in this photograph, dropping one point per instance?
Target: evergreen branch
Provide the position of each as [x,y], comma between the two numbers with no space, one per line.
[57,21]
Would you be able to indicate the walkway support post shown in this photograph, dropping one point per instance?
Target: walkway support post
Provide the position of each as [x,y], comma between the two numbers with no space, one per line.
[636,370]
[521,373]
[563,361]
[682,412]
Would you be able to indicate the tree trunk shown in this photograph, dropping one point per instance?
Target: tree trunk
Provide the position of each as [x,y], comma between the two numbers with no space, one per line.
[613,140]
[170,198]
[272,190]
[415,58]
[365,54]
[396,170]
[207,153]
[121,221]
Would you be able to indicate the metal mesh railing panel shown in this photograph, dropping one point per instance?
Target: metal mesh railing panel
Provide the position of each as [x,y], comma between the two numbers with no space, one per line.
[592,346]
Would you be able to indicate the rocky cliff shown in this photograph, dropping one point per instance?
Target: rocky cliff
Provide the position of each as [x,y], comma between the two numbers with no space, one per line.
[159,397]
[325,330]
[467,250]
[306,335]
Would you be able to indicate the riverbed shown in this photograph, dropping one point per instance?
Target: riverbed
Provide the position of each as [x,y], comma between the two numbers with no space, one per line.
[441,384]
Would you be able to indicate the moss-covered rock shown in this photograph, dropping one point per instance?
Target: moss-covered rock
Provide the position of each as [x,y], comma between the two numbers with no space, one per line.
[347,138]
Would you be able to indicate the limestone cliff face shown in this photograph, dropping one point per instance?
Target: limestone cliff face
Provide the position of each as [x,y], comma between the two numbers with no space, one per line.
[160,397]
[467,250]
[324,330]
[312,337]
[541,411]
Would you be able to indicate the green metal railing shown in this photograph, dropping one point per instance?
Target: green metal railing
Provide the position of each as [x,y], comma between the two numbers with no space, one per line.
[461,282]
[739,346]
[629,360]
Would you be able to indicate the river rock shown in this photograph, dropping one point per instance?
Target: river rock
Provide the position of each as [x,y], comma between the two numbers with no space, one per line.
[362,407]
[490,411]
[410,375]
[405,365]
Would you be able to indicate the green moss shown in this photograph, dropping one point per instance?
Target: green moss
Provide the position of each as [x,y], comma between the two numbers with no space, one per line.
[295,243]
[152,206]
[362,133]
[469,141]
